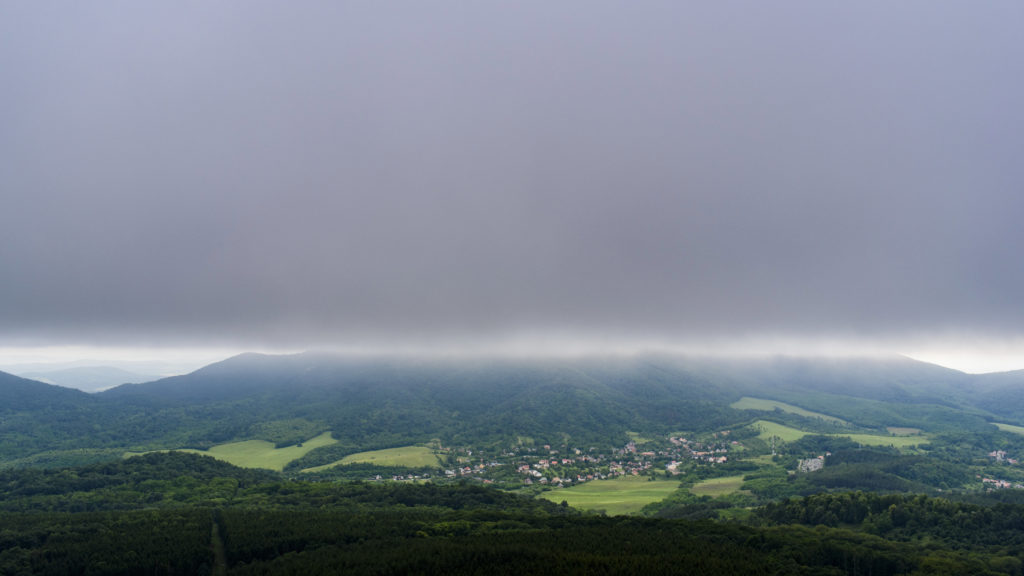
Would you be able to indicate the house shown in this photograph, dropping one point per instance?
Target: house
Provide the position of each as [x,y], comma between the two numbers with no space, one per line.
[811,464]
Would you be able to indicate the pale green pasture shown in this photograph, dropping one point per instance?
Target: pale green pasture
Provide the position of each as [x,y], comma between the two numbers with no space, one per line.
[616,496]
[748,403]
[785,433]
[897,441]
[1010,428]
[404,456]
[637,438]
[716,487]
[260,453]
[899,431]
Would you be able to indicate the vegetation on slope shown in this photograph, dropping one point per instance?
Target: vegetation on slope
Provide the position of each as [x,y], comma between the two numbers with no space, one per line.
[176,513]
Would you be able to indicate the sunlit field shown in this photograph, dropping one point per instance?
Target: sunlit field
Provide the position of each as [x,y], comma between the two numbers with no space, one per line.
[1010,428]
[260,453]
[900,431]
[616,496]
[715,487]
[789,434]
[748,403]
[406,456]
[897,441]
[784,433]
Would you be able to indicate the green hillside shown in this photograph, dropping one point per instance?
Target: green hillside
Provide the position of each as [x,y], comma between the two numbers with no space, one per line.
[181,513]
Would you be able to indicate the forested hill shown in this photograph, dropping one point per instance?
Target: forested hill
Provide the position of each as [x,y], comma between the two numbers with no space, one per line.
[381,400]
[187,514]
[20,394]
[376,402]
[652,387]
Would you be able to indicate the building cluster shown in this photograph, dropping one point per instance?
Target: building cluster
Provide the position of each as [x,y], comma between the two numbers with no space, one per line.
[1000,456]
[710,452]
[671,456]
[565,465]
[470,470]
[997,484]
[811,464]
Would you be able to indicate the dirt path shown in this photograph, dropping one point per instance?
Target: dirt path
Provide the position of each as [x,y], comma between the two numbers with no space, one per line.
[220,558]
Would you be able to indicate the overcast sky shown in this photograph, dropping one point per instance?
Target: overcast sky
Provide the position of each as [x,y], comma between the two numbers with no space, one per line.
[286,175]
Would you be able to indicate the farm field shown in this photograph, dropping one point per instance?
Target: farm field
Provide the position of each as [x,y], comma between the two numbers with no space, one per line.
[897,441]
[408,456]
[748,403]
[616,496]
[1010,428]
[785,433]
[716,487]
[260,453]
[637,438]
[788,434]
[908,431]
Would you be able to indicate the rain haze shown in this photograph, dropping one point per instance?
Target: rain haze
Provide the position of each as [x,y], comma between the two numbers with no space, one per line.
[529,176]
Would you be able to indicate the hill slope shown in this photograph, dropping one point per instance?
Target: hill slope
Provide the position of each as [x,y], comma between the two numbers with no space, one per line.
[381,402]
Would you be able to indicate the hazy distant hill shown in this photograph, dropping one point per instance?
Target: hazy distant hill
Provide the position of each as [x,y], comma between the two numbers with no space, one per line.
[22,395]
[1001,393]
[377,400]
[88,378]
[383,401]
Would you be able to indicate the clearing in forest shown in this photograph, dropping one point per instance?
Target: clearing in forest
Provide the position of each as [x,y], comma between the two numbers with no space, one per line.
[1010,428]
[260,453]
[616,496]
[896,441]
[784,433]
[901,431]
[787,434]
[403,456]
[716,487]
[748,403]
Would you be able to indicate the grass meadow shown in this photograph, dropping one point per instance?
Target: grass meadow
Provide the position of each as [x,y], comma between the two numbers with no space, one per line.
[406,456]
[748,403]
[788,434]
[260,453]
[716,487]
[897,441]
[785,433]
[616,496]
[1010,428]
[900,431]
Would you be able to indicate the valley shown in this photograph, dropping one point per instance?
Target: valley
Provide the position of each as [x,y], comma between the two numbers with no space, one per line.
[654,438]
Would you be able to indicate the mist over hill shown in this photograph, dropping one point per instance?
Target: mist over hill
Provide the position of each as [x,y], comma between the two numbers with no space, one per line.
[378,402]
[88,378]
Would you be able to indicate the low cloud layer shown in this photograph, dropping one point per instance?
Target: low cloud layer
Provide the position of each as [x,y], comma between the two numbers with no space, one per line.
[291,175]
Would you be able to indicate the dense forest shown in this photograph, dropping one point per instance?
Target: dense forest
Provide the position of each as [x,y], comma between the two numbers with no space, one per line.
[188,514]
[832,467]
[371,403]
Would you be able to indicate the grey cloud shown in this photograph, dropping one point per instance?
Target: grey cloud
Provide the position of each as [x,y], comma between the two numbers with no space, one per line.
[332,171]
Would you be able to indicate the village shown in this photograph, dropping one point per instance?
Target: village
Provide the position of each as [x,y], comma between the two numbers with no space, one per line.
[559,466]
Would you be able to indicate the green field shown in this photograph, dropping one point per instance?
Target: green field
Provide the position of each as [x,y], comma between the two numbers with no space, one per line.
[748,403]
[616,496]
[637,438]
[897,441]
[906,431]
[1010,428]
[260,453]
[785,433]
[404,456]
[716,487]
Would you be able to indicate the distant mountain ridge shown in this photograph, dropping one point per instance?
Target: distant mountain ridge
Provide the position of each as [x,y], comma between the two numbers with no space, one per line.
[372,402]
[89,378]
[19,394]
